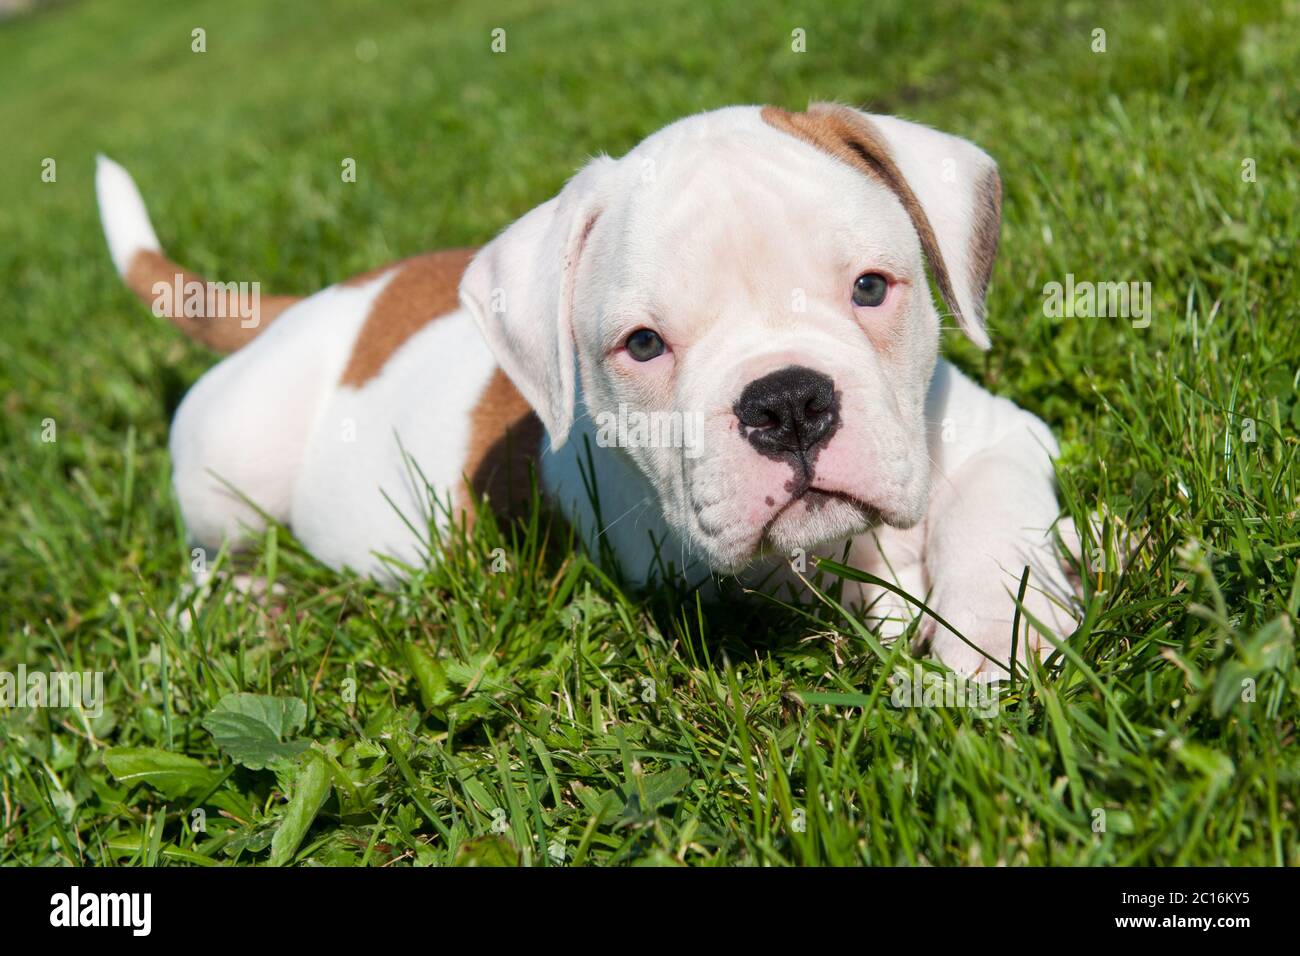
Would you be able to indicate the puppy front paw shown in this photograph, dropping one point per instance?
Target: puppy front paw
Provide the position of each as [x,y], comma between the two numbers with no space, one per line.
[985,619]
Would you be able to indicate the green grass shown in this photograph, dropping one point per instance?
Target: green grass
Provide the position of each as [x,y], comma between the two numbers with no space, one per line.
[546,701]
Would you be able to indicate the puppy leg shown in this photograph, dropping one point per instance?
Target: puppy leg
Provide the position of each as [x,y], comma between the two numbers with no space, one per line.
[897,557]
[239,436]
[987,523]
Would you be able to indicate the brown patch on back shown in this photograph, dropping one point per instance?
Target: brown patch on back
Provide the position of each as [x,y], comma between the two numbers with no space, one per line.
[849,137]
[224,333]
[504,446]
[370,275]
[423,288]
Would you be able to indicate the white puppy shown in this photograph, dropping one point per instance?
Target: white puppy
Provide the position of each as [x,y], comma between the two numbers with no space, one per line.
[751,278]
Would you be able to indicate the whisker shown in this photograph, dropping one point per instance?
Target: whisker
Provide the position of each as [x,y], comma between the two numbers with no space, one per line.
[644,502]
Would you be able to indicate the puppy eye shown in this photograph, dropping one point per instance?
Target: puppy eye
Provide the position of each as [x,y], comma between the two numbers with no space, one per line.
[870,289]
[643,345]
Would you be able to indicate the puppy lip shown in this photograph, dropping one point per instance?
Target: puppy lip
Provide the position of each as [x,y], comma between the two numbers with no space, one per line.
[868,510]
[818,497]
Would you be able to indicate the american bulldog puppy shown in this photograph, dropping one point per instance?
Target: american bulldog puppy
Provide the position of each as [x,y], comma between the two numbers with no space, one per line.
[720,354]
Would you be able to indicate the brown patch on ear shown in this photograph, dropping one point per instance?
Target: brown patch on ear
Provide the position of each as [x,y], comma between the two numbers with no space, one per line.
[504,446]
[984,237]
[852,139]
[223,333]
[423,289]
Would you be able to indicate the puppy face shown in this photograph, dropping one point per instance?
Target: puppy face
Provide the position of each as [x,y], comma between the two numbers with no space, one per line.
[748,290]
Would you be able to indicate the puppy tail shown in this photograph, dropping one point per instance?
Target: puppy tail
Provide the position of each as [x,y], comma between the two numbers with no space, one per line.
[222,316]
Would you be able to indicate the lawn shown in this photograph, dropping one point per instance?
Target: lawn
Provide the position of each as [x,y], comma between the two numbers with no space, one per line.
[544,714]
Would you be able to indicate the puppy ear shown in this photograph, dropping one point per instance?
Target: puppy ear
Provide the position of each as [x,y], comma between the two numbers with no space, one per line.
[949,187]
[519,288]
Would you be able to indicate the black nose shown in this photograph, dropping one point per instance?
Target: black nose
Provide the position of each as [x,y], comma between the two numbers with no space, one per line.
[789,411]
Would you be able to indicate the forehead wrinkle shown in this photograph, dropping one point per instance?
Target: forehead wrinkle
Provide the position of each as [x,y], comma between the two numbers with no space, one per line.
[741,230]
[737,228]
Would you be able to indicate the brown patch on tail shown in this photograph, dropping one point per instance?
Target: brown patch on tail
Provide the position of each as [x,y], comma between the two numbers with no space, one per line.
[422,289]
[225,330]
[504,447]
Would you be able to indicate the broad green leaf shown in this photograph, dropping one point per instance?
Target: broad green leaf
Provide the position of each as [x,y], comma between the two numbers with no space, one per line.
[171,774]
[251,728]
[1268,648]
[659,788]
[431,678]
[601,803]
[311,788]
[656,789]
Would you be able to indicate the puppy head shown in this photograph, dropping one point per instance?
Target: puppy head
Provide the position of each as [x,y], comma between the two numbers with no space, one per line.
[742,301]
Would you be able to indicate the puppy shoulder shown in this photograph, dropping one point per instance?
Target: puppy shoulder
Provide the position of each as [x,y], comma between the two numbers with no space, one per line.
[973,418]
[505,440]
